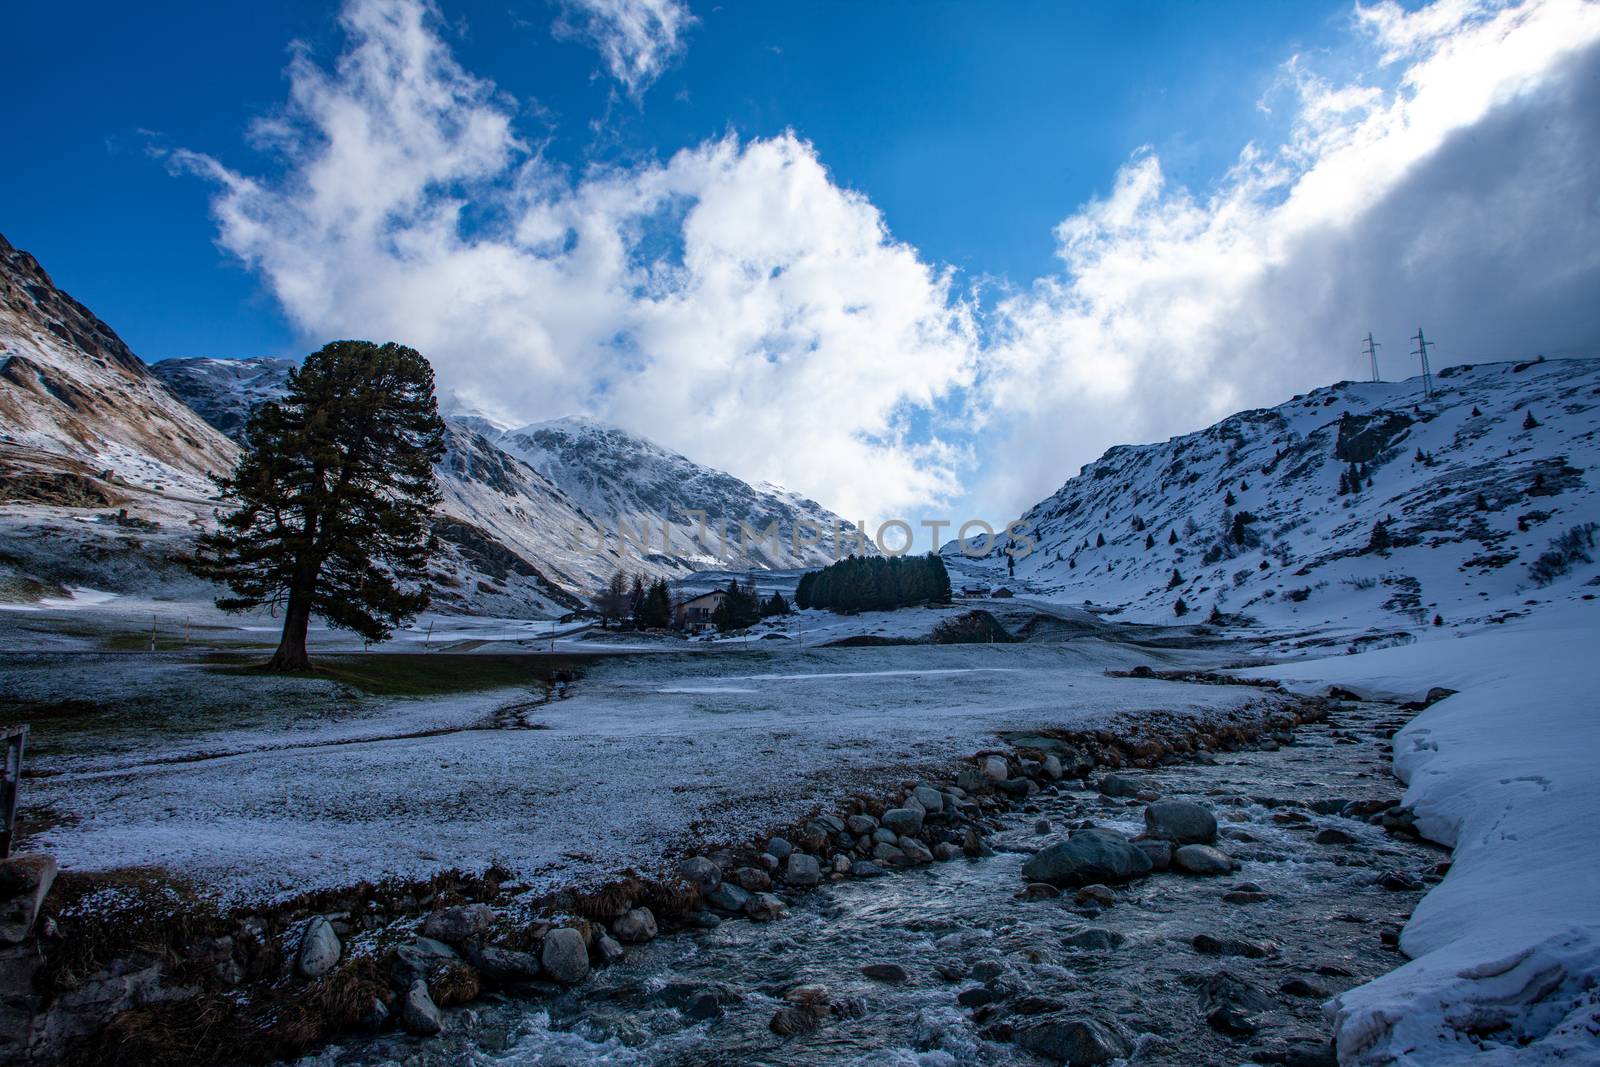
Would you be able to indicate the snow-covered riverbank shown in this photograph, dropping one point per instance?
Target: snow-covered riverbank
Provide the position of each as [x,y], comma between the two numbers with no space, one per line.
[1506,951]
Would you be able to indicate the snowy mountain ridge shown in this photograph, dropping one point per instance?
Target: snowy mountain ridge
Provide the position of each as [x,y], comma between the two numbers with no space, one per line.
[1359,501]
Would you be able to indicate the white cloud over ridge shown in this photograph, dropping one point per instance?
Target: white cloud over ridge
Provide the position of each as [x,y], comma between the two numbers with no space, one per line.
[735,303]
[636,38]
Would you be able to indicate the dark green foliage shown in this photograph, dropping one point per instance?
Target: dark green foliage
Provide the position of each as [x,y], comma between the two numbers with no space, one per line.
[1215,618]
[1229,501]
[656,613]
[636,596]
[1180,609]
[1239,532]
[1565,551]
[1149,541]
[1172,537]
[330,502]
[1481,503]
[876,583]
[776,605]
[1176,579]
[1380,540]
[1530,423]
[972,628]
[741,607]
[1099,540]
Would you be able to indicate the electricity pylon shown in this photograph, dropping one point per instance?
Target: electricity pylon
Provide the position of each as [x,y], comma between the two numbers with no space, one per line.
[1372,355]
[1422,354]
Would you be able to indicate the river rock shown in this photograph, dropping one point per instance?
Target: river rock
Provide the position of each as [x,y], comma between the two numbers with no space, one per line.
[1301,987]
[930,798]
[728,897]
[1097,895]
[1332,835]
[418,1013]
[1038,891]
[1077,1042]
[902,820]
[945,851]
[888,854]
[779,849]
[1231,1004]
[1180,821]
[865,869]
[701,873]
[1088,856]
[753,879]
[861,825]
[1159,852]
[635,927]
[500,965]
[915,851]
[1121,785]
[455,925]
[802,870]
[1052,767]
[564,956]
[1093,939]
[319,949]
[1202,859]
[764,908]
[994,769]
[1207,945]
[885,972]
[608,950]
[24,882]
[418,958]
[885,836]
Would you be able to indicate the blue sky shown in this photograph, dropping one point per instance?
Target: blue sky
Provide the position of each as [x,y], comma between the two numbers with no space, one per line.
[1023,112]
[912,259]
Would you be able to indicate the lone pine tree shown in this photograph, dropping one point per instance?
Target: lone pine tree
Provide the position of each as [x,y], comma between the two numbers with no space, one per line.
[330,501]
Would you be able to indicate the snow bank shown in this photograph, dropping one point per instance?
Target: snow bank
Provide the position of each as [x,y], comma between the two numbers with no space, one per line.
[1505,953]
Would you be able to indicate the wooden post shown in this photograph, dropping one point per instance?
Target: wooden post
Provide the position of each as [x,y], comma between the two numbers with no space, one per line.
[13,738]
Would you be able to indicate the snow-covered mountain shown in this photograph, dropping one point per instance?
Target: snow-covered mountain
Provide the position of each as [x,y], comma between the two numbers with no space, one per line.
[556,498]
[225,391]
[643,490]
[78,405]
[1271,513]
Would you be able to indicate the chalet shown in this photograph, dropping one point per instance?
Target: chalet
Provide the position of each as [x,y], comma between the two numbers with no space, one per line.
[974,590]
[1001,594]
[695,613]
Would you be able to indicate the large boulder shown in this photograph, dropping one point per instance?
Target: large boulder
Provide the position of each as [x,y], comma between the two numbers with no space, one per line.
[456,925]
[418,959]
[418,1013]
[1181,821]
[501,965]
[701,873]
[1203,860]
[994,768]
[802,870]
[728,897]
[564,956]
[1122,785]
[1086,857]
[24,881]
[635,926]
[319,949]
[1077,1042]
[903,820]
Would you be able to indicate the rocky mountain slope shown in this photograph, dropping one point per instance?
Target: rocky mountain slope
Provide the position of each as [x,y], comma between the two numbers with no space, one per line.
[80,412]
[636,487]
[575,498]
[1365,505]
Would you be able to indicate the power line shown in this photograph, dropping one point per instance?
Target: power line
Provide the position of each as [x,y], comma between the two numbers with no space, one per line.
[1422,354]
[1372,355]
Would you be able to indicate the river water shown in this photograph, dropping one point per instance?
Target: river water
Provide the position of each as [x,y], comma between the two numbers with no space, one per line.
[1315,913]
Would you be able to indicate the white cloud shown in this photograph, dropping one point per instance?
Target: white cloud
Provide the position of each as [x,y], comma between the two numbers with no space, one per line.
[732,303]
[1459,195]
[636,38]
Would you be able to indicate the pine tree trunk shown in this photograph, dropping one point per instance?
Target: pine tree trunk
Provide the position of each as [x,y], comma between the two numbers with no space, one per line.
[291,654]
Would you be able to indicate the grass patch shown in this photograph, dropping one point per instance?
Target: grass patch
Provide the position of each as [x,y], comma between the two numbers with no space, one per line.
[418,674]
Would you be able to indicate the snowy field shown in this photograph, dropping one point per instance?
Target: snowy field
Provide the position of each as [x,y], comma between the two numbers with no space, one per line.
[646,751]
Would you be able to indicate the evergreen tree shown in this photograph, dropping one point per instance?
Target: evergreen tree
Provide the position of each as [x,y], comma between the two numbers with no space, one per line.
[1379,541]
[1180,609]
[1530,423]
[331,500]
[656,613]
[775,606]
[1099,540]
[1172,537]
[1176,579]
[1149,541]
[1229,501]
[636,597]
[1481,503]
